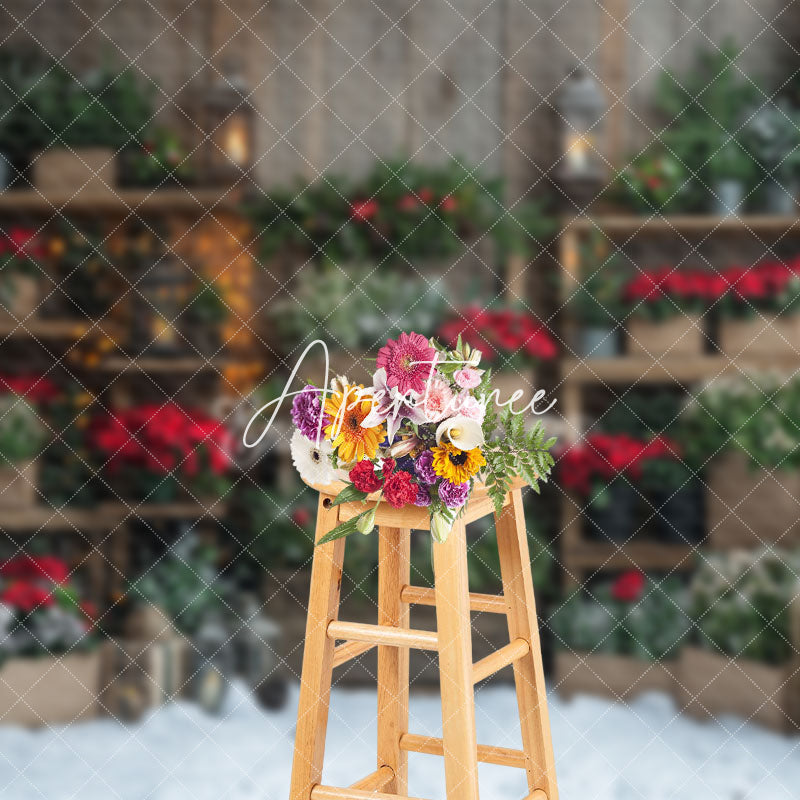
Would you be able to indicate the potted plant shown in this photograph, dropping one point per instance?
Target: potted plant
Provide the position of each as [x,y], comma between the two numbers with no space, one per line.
[748,423]
[20,273]
[161,161]
[156,453]
[746,610]
[620,638]
[775,142]
[677,497]
[511,340]
[49,664]
[653,183]
[90,123]
[666,308]
[597,303]
[731,170]
[22,436]
[205,315]
[759,309]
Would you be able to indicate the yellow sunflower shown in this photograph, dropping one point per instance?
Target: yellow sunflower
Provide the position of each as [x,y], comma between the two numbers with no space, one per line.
[346,411]
[456,466]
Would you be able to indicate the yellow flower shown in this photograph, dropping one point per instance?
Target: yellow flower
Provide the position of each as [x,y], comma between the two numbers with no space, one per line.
[457,466]
[346,410]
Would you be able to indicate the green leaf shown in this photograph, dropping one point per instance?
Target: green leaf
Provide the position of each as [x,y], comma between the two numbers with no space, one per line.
[345,529]
[348,495]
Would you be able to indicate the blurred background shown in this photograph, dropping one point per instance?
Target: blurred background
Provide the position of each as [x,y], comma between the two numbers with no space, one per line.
[601,195]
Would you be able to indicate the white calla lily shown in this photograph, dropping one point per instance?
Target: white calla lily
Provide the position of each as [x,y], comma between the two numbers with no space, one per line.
[463,432]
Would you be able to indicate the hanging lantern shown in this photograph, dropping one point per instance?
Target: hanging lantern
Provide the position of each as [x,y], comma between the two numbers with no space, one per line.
[163,294]
[226,118]
[581,106]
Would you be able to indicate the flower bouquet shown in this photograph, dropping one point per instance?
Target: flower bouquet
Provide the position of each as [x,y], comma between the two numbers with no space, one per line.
[424,434]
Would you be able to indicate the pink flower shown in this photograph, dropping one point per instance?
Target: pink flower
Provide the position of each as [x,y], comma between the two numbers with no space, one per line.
[408,362]
[468,377]
[468,406]
[437,401]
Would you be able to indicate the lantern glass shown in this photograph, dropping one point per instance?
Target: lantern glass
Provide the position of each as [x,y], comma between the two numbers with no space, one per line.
[165,290]
[229,119]
[581,107]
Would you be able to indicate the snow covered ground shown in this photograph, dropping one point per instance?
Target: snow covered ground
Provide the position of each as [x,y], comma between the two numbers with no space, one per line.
[604,751]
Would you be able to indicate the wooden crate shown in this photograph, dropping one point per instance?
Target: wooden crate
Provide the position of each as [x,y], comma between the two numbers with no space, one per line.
[49,690]
[88,170]
[746,507]
[761,335]
[613,676]
[678,335]
[709,684]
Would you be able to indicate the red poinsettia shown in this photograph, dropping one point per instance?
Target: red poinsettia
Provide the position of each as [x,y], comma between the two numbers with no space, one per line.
[160,439]
[21,242]
[500,334]
[601,457]
[35,388]
[629,586]
[26,596]
[29,568]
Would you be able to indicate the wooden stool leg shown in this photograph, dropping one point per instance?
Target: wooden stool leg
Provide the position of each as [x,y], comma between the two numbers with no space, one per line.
[455,665]
[394,550]
[512,542]
[315,683]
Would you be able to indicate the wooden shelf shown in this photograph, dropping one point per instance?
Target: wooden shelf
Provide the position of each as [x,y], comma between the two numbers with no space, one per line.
[104,516]
[643,369]
[622,224]
[162,364]
[641,554]
[123,201]
[45,328]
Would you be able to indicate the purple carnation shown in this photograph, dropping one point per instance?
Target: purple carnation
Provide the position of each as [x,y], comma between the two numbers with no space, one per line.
[423,496]
[454,495]
[307,410]
[423,466]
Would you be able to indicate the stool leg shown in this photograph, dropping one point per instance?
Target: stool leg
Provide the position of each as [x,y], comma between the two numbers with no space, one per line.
[455,665]
[512,542]
[315,683]
[393,574]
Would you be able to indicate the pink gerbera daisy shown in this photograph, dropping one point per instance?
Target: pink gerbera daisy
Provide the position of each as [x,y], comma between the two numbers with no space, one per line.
[408,362]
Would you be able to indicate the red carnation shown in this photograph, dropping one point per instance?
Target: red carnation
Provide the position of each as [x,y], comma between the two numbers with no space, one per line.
[400,490]
[388,467]
[628,587]
[364,478]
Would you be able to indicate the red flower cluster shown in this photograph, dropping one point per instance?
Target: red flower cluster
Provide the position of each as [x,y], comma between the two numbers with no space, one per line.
[35,388]
[604,456]
[764,281]
[28,568]
[363,210]
[628,587]
[160,439]
[501,332]
[399,488]
[25,596]
[21,243]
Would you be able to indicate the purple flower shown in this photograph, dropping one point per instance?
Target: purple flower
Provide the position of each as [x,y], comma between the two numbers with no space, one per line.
[454,495]
[423,496]
[423,466]
[306,412]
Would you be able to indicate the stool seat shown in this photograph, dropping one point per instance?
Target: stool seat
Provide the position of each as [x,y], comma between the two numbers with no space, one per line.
[478,506]
[393,637]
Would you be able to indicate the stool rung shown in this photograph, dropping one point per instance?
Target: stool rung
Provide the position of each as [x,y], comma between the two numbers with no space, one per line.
[349,650]
[334,793]
[494,662]
[488,603]
[383,635]
[375,781]
[504,756]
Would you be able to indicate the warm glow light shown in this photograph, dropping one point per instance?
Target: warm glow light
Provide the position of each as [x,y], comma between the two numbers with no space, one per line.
[235,145]
[578,153]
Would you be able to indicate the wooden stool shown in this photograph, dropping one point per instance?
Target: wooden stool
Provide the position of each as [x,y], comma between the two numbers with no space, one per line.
[453,641]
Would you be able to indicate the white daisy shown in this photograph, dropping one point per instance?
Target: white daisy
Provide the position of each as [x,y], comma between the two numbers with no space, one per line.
[312,462]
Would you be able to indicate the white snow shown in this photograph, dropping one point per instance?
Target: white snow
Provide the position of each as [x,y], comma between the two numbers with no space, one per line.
[604,751]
